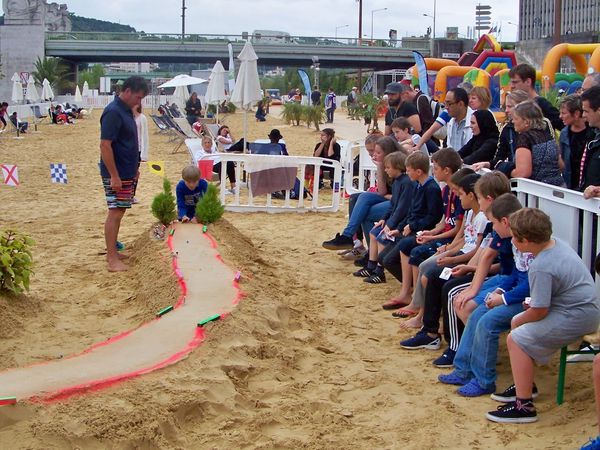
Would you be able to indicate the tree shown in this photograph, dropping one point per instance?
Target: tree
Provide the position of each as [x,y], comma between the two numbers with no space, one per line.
[55,70]
[92,76]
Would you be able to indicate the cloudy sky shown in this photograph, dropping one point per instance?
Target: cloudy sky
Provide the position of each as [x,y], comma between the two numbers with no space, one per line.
[298,17]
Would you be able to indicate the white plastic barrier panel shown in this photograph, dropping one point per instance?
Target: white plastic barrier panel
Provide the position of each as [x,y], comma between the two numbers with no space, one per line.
[242,200]
[574,219]
[367,170]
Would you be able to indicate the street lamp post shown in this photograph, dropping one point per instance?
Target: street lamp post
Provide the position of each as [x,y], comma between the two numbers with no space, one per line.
[373,11]
[433,31]
[183,8]
[338,28]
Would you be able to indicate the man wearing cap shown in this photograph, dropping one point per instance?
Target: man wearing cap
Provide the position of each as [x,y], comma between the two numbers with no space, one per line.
[399,108]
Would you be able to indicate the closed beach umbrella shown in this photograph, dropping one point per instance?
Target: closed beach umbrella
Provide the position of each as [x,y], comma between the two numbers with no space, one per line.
[78,97]
[17,89]
[47,93]
[247,90]
[181,96]
[85,92]
[32,93]
[215,92]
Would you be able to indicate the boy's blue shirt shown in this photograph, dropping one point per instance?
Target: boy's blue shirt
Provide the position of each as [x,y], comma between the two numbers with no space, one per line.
[426,209]
[187,199]
[402,193]
[516,283]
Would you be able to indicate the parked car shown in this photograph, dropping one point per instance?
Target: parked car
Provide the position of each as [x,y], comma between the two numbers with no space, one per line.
[275,96]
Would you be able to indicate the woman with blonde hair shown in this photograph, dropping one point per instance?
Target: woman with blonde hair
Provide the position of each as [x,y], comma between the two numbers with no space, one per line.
[537,156]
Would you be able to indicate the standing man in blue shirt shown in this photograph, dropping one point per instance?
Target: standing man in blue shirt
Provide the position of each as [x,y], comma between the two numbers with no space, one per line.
[119,161]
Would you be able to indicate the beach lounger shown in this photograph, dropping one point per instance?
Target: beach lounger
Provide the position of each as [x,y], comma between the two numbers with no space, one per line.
[185,127]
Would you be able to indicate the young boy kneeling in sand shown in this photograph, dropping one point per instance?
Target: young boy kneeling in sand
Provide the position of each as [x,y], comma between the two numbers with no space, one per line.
[188,191]
[564,306]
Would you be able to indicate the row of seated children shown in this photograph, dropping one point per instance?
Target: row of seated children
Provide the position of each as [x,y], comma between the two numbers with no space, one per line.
[488,306]
[564,302]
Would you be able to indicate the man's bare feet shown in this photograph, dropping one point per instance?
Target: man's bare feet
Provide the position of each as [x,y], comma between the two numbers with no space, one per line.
[413,322]
[117,266]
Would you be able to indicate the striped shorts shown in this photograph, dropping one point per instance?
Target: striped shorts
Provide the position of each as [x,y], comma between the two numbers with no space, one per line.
[122,198]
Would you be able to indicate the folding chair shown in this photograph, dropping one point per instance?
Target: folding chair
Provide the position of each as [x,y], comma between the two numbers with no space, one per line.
[562,366]
[162,127]
[185,127]
[257,148]
[177,133]
[213,129]
[38,117]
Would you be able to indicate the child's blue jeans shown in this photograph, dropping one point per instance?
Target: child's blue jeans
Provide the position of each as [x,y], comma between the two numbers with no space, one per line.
[478,348]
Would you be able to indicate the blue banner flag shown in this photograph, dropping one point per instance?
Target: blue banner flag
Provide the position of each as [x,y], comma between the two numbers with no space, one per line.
[422,70]
[306,82]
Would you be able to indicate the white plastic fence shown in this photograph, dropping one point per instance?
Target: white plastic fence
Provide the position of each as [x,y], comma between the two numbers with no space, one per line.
[367,170]
[574,219]
[243,201]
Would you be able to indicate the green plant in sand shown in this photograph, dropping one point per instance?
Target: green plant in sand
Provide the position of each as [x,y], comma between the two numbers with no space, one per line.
[209,208]
[15,261]
[163,205]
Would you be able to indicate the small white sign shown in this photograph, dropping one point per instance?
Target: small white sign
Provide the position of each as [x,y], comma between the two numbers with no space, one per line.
[451,55]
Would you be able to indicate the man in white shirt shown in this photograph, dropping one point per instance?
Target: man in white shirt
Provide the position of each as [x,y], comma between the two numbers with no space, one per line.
[459,127]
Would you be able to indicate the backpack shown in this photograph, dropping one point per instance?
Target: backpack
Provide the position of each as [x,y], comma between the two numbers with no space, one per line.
[436,110]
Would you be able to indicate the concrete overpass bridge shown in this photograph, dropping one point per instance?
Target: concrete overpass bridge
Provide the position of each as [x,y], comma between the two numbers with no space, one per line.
[271,50]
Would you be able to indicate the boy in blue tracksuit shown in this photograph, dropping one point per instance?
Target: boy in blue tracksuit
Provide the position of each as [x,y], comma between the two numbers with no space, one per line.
[489,306]
[188,191]
[384,232]
[425,212]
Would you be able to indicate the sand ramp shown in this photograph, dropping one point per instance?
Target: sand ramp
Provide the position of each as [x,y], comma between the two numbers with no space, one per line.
[210,291]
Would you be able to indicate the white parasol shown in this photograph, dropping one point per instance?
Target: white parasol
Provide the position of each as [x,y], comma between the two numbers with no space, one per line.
[182,80]
[247,90]
[85,91]
[47,93]
[181,96]
[17,89]
[215,92]
[32,93]
[78,97]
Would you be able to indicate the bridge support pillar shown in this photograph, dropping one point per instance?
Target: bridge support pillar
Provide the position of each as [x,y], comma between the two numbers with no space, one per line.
[20,46]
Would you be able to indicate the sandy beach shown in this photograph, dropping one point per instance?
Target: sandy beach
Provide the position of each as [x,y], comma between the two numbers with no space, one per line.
[307,360]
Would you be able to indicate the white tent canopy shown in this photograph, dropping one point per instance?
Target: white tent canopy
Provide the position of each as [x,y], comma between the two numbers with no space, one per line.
[182,80]
[32,93]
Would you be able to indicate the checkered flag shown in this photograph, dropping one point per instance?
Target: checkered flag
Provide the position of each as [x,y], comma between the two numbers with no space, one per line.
[58,173]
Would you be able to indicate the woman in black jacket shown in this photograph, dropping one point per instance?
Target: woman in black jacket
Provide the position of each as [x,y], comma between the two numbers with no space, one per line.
[482,146]
[193,108]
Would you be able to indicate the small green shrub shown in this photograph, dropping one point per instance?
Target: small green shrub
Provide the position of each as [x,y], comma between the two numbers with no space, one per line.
[209,208]
[292,113]
[163,205]
[15,261]
[313,115]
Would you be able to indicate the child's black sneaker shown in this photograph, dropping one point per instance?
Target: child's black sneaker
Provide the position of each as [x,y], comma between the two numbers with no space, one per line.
[514,412]
[510,394]
[446,360]
[363,273]
[375,278]
[339,242]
